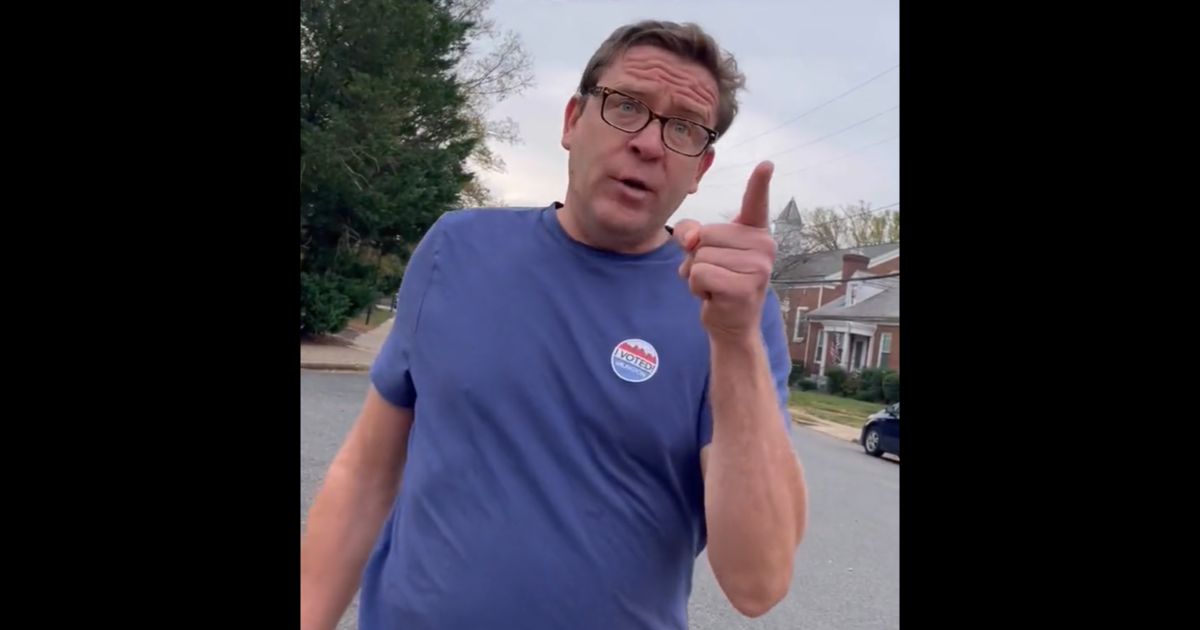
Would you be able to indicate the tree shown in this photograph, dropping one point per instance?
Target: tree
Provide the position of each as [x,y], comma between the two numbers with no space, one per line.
[386,129]
[487,79]
[855,225]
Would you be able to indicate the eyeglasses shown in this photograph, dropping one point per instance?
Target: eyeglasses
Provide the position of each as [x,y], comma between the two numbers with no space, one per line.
[630,115]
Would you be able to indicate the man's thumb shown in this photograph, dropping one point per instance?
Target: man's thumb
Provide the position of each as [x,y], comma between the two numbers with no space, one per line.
[687,232]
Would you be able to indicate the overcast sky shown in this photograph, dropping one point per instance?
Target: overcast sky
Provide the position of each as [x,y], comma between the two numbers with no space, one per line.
[796,56]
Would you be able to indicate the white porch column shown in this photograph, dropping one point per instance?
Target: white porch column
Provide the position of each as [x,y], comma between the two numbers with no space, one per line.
[870,346]
[846,349]
[823,357]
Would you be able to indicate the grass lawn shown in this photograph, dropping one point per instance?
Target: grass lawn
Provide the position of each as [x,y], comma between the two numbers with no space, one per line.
[845,411]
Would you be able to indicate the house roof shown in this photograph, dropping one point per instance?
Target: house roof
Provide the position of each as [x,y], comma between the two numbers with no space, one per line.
[818,265]
[791,213]
[879,308]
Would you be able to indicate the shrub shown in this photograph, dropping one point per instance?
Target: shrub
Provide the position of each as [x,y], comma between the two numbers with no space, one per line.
[871,388]
[797,373]
[891,387]
[835,380]
[851,386]
[328,301]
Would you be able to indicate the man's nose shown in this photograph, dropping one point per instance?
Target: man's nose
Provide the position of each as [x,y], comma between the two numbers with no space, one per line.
[648,142]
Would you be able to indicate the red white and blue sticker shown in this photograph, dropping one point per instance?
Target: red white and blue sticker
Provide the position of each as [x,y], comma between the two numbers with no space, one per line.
[635,360]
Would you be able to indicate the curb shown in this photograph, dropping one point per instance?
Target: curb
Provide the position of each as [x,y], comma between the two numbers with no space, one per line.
[334,367]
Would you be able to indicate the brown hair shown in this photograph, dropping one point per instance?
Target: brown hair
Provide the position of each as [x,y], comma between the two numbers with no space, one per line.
[686,40]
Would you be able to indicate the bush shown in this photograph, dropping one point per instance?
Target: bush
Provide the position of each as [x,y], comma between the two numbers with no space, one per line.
[835,380]
[328,301]
[322,307]
[806,384]
[871,388]
[891,388]
[851,386]
[797,373]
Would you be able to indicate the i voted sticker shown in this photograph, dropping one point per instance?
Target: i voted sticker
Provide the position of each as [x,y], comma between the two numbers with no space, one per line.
[635,360]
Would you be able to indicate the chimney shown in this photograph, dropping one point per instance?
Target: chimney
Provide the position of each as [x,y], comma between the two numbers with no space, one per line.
[852,263]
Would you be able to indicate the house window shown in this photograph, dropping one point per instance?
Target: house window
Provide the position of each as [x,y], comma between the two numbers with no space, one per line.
[885,349]
[820,356]
[801,323]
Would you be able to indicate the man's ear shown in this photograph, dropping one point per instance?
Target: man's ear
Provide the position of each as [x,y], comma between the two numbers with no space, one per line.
[570,119]
[706,161]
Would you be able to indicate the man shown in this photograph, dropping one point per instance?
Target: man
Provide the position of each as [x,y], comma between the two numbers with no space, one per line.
[574,401]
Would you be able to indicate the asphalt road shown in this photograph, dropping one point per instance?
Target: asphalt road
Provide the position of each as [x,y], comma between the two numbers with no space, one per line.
[847,573]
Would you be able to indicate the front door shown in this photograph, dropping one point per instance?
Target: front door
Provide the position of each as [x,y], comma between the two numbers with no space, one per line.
[858,352]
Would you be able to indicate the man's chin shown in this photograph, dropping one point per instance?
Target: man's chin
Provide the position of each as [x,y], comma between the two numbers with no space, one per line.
[625,224]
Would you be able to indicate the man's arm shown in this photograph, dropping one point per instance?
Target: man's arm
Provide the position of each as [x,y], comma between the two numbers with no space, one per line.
[754,492]
[348,513]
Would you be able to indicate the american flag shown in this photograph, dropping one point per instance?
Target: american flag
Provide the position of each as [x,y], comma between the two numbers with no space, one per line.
[835,348]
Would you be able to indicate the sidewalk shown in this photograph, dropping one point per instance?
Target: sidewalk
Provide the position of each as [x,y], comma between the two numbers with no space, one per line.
[840,431]
[336,353]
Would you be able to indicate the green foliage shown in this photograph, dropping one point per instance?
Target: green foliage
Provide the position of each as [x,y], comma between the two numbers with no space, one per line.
[869,385]
[835,380]
[891,387]
[797,372]
[384,136]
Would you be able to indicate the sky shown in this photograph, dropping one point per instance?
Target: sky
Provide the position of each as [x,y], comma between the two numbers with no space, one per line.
[796,55]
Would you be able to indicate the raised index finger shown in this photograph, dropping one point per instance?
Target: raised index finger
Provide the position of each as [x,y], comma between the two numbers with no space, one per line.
[754,203]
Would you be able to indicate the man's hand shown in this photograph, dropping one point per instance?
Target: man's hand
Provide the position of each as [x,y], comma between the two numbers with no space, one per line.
[729,265]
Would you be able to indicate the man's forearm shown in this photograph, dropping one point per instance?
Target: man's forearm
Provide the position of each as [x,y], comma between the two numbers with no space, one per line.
[754,488]
[343,525]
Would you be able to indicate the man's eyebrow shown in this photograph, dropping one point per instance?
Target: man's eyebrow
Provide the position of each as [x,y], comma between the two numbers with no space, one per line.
[683,112]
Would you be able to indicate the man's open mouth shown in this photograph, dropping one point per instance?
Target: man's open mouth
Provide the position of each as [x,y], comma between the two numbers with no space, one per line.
[634,183]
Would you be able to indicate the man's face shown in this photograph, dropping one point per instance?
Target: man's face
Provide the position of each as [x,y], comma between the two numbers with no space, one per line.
[604,160]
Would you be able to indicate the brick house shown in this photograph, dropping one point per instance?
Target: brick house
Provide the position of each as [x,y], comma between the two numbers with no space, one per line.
[832,319]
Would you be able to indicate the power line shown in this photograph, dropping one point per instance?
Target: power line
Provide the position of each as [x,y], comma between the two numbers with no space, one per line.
[810,142]
[861,149]
[838,281]
[812,166]
[792,120]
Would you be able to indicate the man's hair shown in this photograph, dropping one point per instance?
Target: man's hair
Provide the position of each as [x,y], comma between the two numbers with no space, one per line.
[686,40]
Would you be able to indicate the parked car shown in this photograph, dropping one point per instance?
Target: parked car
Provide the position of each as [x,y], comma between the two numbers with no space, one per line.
[881,433]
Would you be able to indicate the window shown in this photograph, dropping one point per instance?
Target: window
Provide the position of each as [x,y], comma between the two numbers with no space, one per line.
[885,349]
[820,356]
[801,323]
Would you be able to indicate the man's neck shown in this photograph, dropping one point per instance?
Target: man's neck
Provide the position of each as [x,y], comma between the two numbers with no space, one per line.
[574,228]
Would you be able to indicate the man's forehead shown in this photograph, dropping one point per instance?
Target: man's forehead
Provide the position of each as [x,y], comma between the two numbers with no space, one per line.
[643,71]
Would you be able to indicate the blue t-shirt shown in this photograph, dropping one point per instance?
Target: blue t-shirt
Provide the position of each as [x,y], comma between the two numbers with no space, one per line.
[559,394]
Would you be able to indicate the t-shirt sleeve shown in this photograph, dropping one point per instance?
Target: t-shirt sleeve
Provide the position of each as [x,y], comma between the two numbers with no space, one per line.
[391,373]
[780,360]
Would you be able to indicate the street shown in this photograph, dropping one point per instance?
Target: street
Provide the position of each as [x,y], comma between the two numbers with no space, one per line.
[847,572]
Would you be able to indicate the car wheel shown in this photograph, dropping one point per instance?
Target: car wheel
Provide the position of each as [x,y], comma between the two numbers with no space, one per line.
[871,443]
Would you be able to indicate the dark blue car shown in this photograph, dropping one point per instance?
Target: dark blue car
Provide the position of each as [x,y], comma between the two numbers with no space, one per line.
[881,433]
